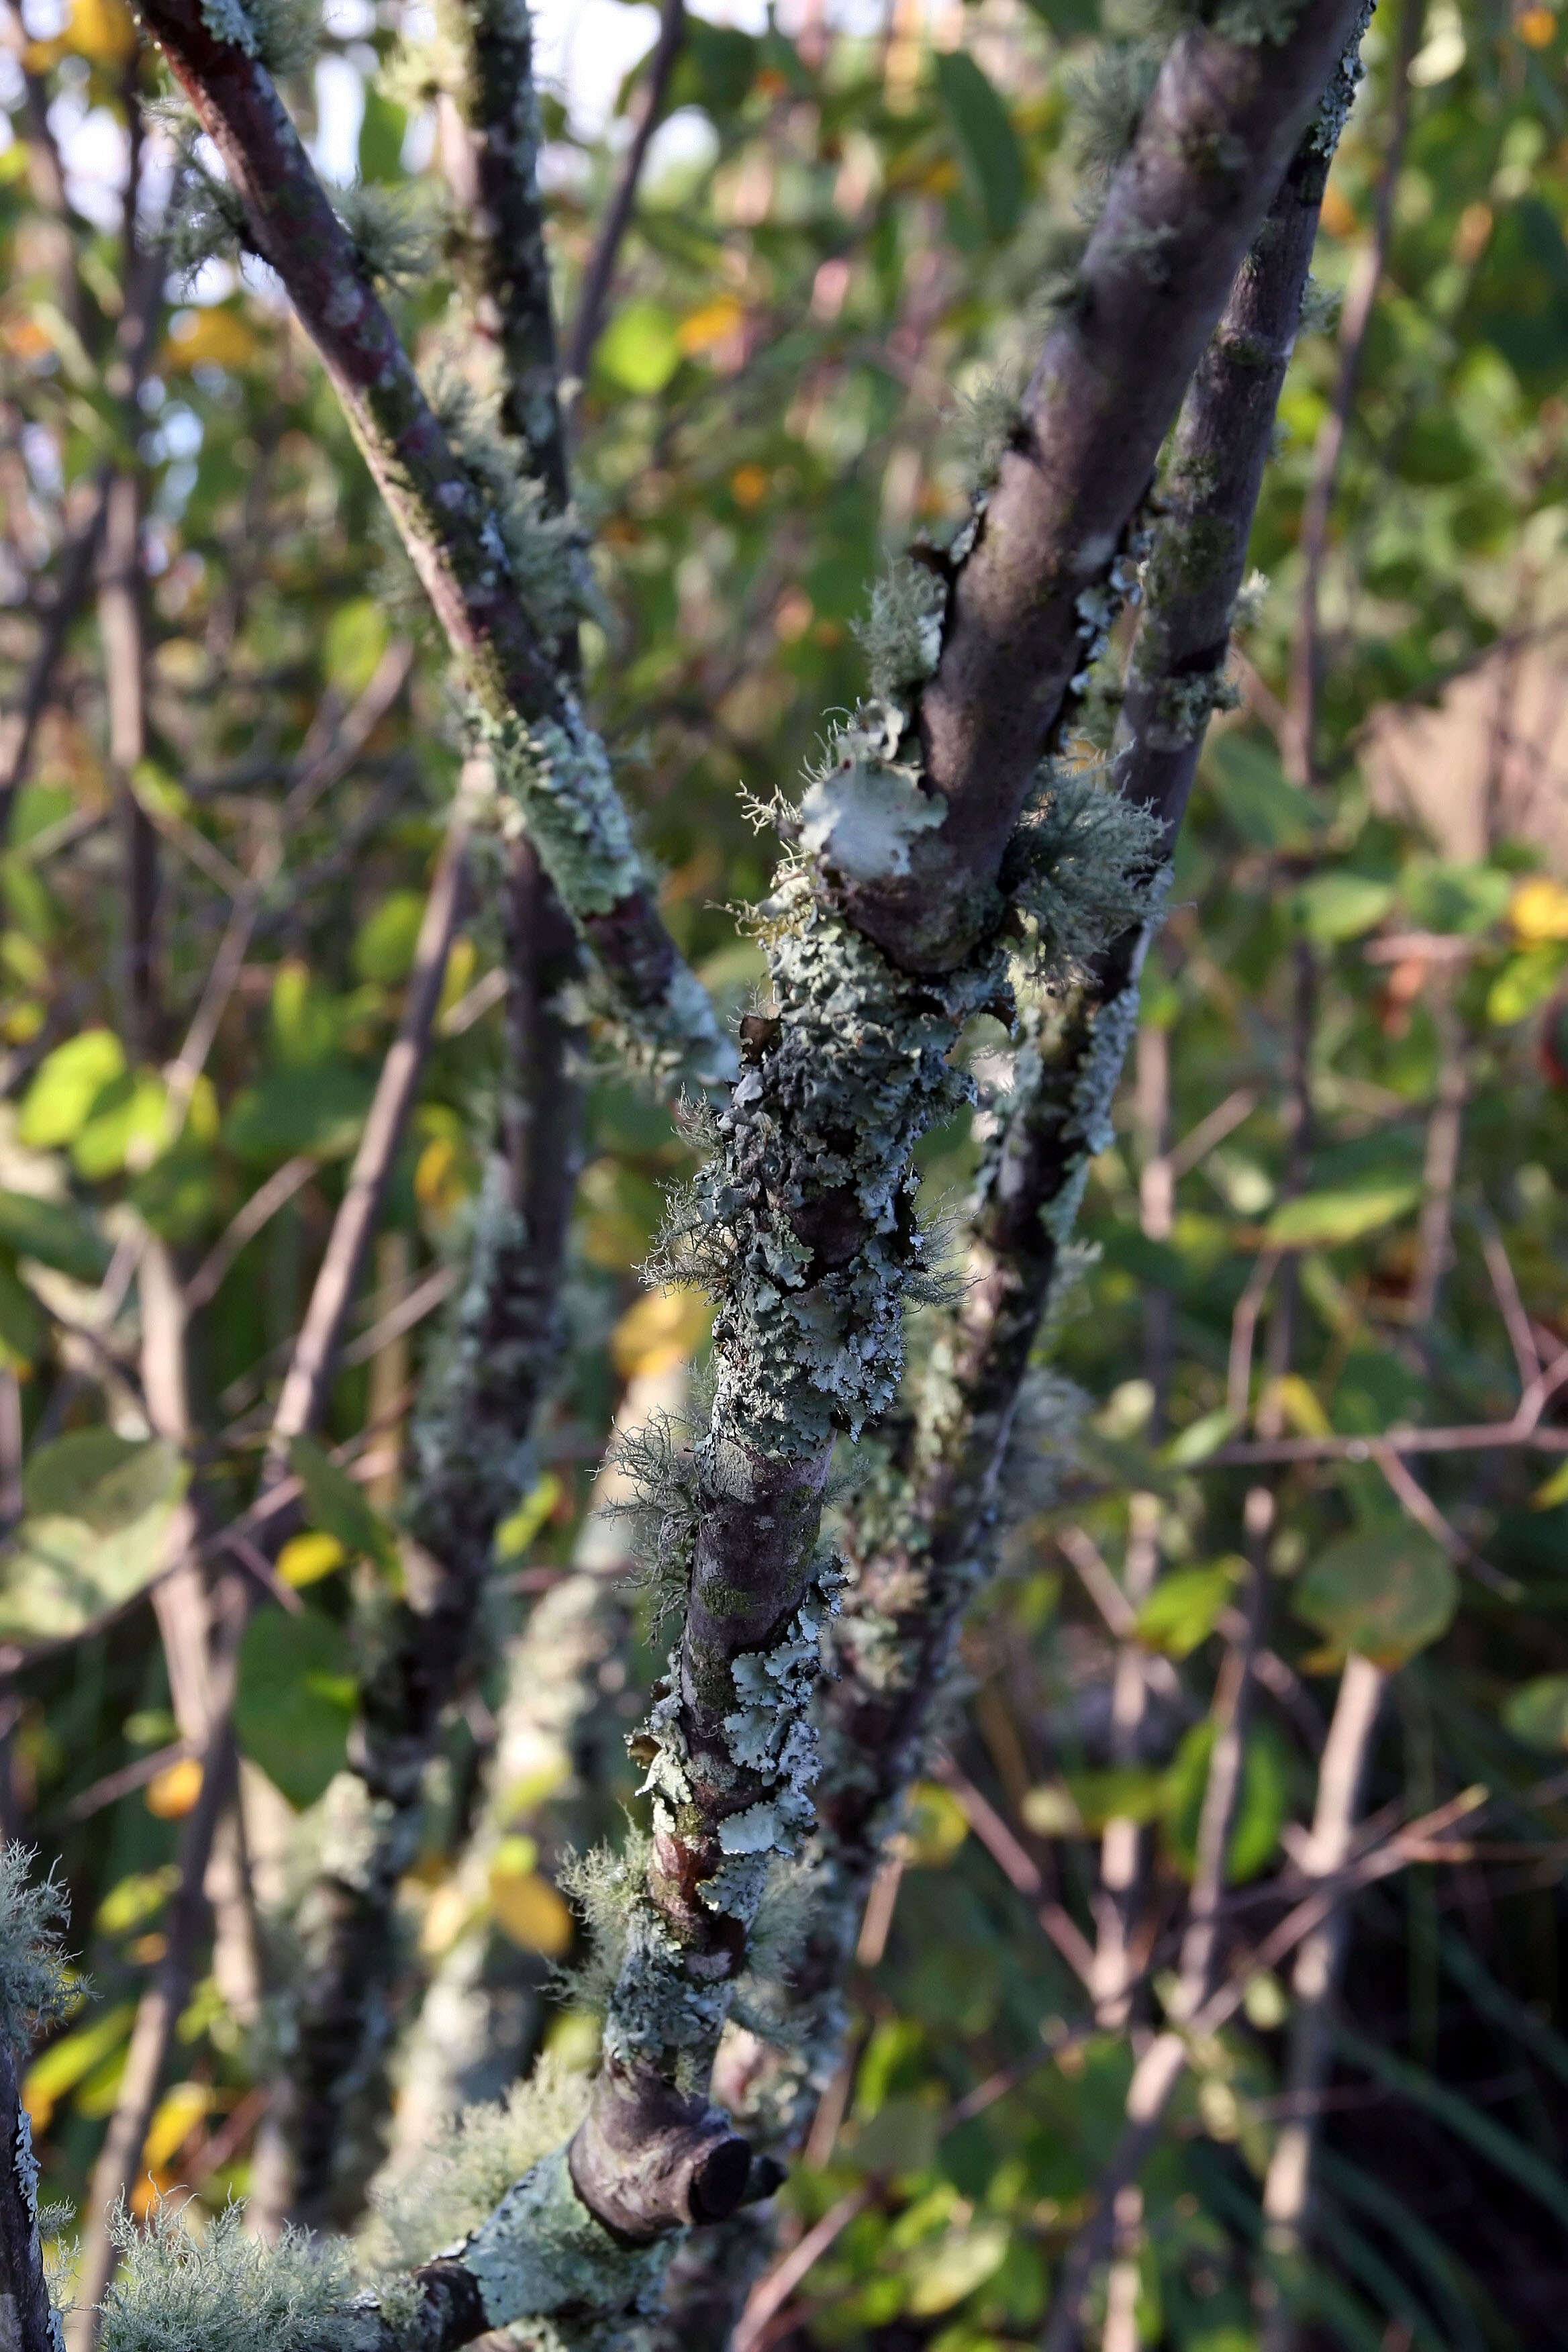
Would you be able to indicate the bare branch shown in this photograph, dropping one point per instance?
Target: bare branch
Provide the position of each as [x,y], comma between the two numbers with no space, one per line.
[599,275]
[1297,739]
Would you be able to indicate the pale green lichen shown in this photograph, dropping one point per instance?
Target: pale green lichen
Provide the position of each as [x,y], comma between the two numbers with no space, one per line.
[559,779]
[544,553]
[1081,864]
[540,2253]
[988,417]
[860,814]
[1106,98]
[901,634]
[178,2290]
[205,220]
[466,2170]
[396,230]
[1334,108]
[34,1914]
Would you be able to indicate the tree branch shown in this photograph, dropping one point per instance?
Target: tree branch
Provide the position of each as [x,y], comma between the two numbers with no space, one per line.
[26,2319]
[599,275]
[443,515]
[1029,604]
[1319,1964]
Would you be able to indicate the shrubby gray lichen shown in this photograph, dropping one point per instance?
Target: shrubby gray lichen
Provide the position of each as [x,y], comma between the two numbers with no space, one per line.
[395,229]
[469,2166]
[180,2290]
[34,1914]
[901,634]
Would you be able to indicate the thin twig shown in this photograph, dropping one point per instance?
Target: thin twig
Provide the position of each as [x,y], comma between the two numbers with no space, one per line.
[304,1388]
[601,269]
[1355,317]
[244,1226]
[1505,1289]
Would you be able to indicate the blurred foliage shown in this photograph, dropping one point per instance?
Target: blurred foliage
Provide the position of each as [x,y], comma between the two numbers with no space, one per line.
[850,239]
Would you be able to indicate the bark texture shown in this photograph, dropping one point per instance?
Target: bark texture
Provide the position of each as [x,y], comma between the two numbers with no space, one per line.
[1028,602]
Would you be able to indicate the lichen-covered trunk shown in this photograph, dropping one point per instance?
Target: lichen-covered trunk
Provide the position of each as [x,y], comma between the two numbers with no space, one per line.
[26,2322]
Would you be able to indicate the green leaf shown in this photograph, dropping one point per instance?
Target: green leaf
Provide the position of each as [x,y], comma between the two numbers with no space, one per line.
[384,944]
[100,1512]
[1538,1713]
[1446,896]
[318,1110]
[1265,1792]
[66,1085]
[985,137]
[1321,1220]
[335,1504]
[1068,17]
[295,1700]
[1201,1438]
[1122,1793]
[1340,906]
[127,1122]
[1384,1592]
[1256,794]
[24,1326]
[1181,1611]
[716,67]
[56,1232]
[1520,299]
[1525,982]
[355,640]
[640,350]
[382,129]
[943,2272]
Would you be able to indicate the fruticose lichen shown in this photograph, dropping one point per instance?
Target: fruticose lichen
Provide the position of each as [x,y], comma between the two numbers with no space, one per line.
[470,2164]
[180,2290]
[34,1914]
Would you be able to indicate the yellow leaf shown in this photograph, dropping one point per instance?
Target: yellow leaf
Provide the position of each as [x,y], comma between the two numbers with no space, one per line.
[304,1560]
[1337,215]
[103,30]
[1299,1405]
[531,1912]
[515,1535]
[177,2114]
[175,1790]
[213,338]
[663,1328]
[446,1916]
[437,1177]
[704,329]
[936,1826]
[1554,1490]
[1539,907]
